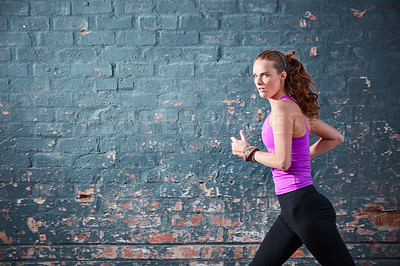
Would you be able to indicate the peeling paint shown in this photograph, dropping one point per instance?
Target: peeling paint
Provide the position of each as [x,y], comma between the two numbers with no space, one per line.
[109,253]
[215,143]
[310,16]
[223,222]
[303,23]
[112,155]
[367,81]
[85,196]
[358,13]
[5,238]
[229,102]
[39,201]
[161,238]
[85,32]
[209,191]
[34,225]
[313,51]
[126,174]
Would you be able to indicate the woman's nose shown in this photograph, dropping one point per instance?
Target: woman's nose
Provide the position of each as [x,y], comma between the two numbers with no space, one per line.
[258,81]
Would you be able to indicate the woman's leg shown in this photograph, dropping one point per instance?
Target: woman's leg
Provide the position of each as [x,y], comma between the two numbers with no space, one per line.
[316,226]
[278,245]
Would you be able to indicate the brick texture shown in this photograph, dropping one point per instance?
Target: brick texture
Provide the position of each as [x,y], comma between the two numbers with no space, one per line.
[116,118]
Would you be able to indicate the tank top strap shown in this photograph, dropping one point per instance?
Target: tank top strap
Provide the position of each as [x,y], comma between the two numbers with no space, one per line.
[288,97]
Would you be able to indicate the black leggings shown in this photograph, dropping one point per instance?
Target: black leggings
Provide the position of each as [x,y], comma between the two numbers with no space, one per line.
[308,218]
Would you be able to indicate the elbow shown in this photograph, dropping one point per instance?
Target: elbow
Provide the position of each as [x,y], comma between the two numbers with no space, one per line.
[284,165]
[340,138]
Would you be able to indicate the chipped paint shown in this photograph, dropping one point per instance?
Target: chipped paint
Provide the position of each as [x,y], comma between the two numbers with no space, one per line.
[260,115]
[156,238]
[303,23]
[112,155]
[4,238]
[230,102]
[209,191]
[126,174]
[85,196]
[108,253]
[314,51]
[34,225]
[367,81]
[85,32]
[40,201]
[358,13]
[310,16]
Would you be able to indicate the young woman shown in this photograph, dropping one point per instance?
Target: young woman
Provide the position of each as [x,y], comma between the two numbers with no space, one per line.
[307,217]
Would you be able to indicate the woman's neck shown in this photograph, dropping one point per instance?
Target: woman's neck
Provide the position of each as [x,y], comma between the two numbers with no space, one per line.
[273,100]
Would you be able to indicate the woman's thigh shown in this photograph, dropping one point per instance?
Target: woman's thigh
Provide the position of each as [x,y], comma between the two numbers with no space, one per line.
[278,245]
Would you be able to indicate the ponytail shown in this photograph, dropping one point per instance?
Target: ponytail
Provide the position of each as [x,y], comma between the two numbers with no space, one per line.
[298,85]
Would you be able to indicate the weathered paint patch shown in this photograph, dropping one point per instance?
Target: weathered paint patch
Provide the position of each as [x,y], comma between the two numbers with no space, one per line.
[358,13]
[5,238]
[314,51]
[34,225]
[85,32]
[310,16]
[367,81]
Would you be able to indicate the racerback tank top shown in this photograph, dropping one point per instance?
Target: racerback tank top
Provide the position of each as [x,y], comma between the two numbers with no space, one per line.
[299,173]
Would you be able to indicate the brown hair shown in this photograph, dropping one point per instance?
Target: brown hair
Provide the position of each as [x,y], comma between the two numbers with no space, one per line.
[298,82]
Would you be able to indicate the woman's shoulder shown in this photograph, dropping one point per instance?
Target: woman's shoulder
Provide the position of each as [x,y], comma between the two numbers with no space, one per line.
[287,106]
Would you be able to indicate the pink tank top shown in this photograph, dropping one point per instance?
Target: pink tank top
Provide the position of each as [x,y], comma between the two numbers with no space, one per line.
[299,173]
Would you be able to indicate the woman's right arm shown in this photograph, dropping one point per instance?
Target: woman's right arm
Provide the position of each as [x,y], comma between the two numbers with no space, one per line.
[329,137]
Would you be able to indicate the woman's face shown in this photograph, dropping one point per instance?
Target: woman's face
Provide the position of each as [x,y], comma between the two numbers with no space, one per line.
[269,83]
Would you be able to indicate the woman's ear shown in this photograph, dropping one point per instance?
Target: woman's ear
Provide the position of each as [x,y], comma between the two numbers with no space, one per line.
[283,75]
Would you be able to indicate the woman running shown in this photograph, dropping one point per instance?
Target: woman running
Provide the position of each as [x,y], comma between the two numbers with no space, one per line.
[306,217]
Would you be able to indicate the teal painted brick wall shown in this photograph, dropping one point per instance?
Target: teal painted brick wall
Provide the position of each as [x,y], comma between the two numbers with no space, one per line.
[116,118]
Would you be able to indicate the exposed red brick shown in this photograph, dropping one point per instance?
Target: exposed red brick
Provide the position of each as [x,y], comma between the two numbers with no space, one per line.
[181,252]
[156,238]
[197,219]
[134,253]
[238,253]
[178,206]
[213,251]
[388,219]
[252,251]
[373,208]
[298,254]
[126,206]
[5,239]
[223,222]
[109,253]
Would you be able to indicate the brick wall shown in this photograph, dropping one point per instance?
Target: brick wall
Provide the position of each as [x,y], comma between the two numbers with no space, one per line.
[116,118]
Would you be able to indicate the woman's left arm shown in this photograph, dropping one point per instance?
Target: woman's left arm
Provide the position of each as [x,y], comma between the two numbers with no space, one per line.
[329,137]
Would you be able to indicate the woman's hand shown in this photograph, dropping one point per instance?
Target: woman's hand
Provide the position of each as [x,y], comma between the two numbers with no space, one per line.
[239,145]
